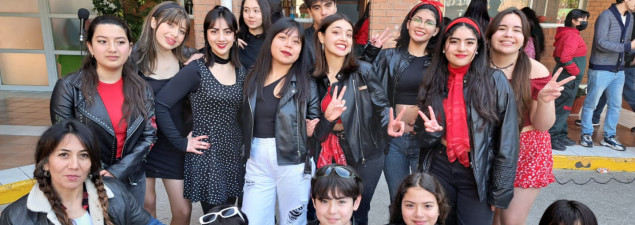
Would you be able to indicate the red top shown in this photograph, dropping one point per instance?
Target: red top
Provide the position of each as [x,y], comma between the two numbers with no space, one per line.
[536,85]
[326,101]
[112,96]
[362,35]
[569,44]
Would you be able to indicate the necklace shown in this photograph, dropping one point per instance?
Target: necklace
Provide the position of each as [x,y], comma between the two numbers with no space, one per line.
[500,68]
[219,60]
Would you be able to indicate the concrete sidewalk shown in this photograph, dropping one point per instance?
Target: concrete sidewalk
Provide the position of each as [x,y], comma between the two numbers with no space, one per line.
[25,115]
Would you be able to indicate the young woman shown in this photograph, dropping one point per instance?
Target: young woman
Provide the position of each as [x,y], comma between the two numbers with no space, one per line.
[253,24]
[401,70]
[356,137]
[535,91]
[213,85]
[336,191]
[108,96]
[474,144]
[69,189]
[278,99]
[568,212]
[159,56]
[420,200]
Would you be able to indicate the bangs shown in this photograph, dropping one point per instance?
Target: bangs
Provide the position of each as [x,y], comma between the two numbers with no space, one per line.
[174,16]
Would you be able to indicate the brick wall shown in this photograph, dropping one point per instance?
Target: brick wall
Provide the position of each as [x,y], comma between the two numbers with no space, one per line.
[201,7]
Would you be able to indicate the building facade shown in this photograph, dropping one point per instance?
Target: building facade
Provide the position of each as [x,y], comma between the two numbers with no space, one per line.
[41,37]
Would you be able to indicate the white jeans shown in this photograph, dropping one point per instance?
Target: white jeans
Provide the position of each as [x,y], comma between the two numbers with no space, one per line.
[265,180]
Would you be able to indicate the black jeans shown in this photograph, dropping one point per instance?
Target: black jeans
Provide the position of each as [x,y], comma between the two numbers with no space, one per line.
[461,190]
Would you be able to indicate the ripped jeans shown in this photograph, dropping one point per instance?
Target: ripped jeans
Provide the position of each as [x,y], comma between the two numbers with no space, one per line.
[266,182]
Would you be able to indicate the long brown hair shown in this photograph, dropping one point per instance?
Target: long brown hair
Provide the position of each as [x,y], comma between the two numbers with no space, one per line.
[146,53]
[428,183]
[47,144]
[134,87]
[522,69]
[321,65]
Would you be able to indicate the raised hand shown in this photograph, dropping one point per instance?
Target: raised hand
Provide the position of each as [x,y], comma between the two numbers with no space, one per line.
[337,105]
[431,125]
[378,40]
[242,43]
[310,126]
[552,90]
[396,127]
[193,57]
[195,143]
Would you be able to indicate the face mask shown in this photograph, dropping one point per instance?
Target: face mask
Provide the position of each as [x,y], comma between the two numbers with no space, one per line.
[582,25]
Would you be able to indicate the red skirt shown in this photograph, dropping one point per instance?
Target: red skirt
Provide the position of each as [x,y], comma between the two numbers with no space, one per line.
[535,162]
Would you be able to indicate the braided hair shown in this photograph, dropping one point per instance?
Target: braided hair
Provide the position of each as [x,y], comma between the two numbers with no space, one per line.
[47,144]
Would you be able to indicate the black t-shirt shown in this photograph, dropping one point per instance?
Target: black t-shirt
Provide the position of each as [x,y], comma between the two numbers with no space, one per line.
[248,55]
[408,85]
[266,109]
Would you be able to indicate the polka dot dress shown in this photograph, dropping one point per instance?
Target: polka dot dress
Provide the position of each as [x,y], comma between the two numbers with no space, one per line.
[218,173]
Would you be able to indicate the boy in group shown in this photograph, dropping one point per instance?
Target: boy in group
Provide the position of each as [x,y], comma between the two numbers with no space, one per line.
[336,191]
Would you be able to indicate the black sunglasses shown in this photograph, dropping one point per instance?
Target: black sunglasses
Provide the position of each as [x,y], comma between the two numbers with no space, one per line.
[340,170]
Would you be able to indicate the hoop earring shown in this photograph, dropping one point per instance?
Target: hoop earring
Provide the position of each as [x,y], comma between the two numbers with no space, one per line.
[46,173]
[90,176]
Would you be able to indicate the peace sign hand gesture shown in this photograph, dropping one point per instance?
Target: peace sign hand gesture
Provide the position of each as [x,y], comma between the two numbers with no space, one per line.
[337,105]
[431,125]
[378,40]
[552,90]
[396,127]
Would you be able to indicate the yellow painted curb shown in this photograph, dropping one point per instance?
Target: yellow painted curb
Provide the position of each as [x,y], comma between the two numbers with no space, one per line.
[12,192]
[593,163]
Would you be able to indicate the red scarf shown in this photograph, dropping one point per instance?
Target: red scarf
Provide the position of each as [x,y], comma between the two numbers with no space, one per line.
[456,135]
[331,150]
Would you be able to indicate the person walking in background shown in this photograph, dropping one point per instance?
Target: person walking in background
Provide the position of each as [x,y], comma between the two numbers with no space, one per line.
[611,37]
[570,54]
[214,170]
[110,97]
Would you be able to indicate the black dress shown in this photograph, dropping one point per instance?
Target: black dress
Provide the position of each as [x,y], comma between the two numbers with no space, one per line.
[165,160]
[217,174]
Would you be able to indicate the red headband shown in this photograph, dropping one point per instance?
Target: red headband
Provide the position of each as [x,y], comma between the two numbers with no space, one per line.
[463,20]
[436,5]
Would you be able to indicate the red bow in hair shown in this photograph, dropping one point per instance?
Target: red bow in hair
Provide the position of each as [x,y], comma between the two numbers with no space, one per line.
[434,3]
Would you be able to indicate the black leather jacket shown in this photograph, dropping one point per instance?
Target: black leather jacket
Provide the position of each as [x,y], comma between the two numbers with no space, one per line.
[494,147]
[366,117]
[122,207]
[291,136]
[68,102]
[389,66]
